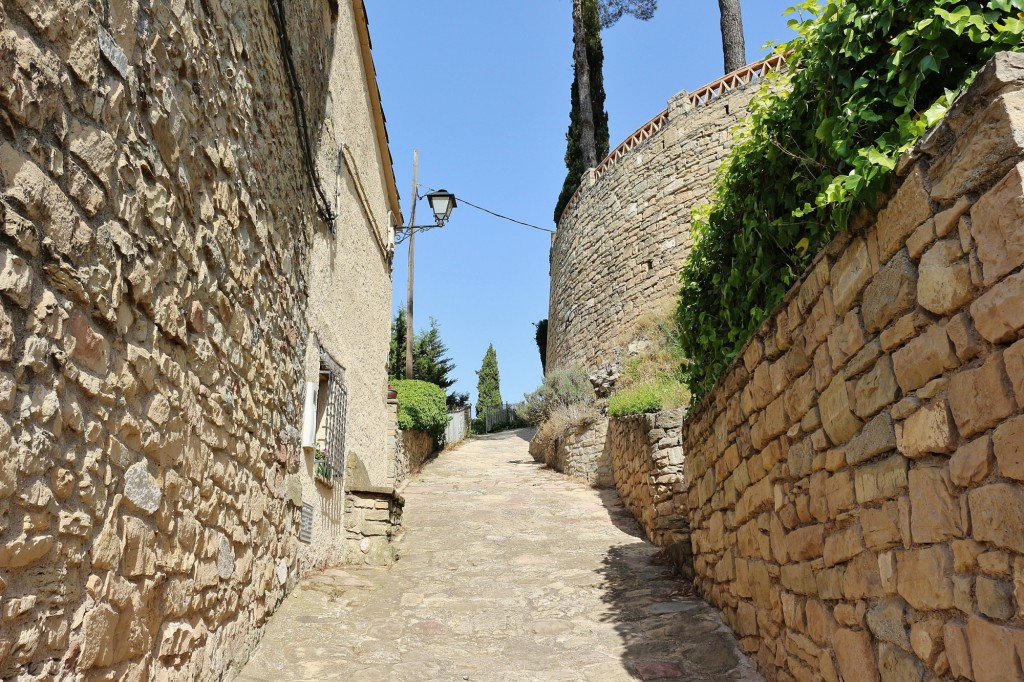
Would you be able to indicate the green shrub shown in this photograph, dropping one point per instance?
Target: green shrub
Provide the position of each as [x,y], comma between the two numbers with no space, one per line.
[421,407]
[867,79]
[561,388]
[652,396]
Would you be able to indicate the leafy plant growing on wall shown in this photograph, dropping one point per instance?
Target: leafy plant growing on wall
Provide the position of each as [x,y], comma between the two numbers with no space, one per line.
[867,79]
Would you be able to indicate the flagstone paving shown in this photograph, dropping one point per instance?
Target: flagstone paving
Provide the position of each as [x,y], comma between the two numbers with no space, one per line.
[508,572]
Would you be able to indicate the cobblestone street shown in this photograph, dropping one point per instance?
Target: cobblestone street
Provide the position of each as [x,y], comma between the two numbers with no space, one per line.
[507,572]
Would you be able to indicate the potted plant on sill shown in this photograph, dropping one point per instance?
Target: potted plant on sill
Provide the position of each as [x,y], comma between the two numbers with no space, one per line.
[322,465]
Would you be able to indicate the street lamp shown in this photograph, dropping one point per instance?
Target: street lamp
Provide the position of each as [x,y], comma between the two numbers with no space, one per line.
[441,203]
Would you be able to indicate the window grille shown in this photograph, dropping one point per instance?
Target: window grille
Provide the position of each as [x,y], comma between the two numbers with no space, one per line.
[332,384]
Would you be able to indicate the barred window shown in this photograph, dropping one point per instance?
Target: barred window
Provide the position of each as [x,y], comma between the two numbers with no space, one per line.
[333,403]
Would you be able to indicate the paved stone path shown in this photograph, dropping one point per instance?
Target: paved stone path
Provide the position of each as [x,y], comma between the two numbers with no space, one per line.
[509,573]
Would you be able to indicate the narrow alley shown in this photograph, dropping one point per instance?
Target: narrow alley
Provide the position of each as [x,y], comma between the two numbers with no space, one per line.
[507,572]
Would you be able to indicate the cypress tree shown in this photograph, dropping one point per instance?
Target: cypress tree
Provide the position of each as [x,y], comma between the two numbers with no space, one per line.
[488,382]
[396,350]
[574,162]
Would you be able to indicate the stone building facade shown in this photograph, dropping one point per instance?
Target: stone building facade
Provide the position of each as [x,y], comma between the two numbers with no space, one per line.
[855,482]
[168,280]
[622,240]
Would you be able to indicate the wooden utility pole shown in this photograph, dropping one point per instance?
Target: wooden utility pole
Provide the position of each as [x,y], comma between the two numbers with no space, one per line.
[412,244]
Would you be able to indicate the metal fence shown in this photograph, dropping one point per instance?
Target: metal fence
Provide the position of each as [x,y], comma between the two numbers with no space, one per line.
[458,426]
[498,415]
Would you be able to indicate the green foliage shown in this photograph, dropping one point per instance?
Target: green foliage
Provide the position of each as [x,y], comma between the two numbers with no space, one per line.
[573,150]
[650,380]
[488,385]
[421,407]
[541,336]
[429,358]
[561,388]
[651,396]
[396,350]
[867,79]
[430,361]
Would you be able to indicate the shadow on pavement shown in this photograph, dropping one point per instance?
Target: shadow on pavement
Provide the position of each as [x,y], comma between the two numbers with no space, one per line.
[668,633]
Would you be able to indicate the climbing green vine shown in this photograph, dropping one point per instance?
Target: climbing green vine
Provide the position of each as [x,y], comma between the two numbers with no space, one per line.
[867,78]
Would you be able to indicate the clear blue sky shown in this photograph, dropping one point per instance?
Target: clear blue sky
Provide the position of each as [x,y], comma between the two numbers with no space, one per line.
[482,90]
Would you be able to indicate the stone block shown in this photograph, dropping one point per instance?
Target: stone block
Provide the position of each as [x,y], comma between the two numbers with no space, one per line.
[954,640]
[995,598]
[997,515]
[876,438]
[141,490]
[881,526]
[997,222]
[1008,444]
[999,312]
[944,280]
[887,621]
[891,292]
[926,639]
[882,480]
[1013,357]
[843,545]
[969,465]
[839,493]
[799,578]
[837,417]
[855,656]
[929,430]
[846,339]
[896,664]
[45,203]
[907,209]
[16,278]
[995,650]
[849,275]
[876,389]
[983,151]
[97,642]
[924,358]
[862,579]
[964,337]
[934,506]
[805,543]
[981,397]
[923,577]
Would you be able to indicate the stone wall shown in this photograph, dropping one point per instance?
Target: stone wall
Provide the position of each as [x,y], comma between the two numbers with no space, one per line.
[618,251]
[647,466]
[414,448]
[158,230]
[855,480]
[582,454]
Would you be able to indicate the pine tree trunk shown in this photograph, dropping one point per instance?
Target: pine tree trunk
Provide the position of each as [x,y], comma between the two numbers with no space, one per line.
[579,32]
[732,35]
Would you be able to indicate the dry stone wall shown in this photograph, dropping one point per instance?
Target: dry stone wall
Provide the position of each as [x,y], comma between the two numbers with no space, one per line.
[157,223]
[856,481]
[618,251]
[647,466]
[581,454]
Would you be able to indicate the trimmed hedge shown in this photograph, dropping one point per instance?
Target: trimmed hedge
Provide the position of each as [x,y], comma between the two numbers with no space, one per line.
[421,407]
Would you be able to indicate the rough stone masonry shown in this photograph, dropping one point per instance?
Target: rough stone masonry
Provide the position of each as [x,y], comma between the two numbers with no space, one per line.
[855,482]
[157,220]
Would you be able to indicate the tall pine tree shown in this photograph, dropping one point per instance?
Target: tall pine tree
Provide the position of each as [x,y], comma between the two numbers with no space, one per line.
[488,382]
[589,17]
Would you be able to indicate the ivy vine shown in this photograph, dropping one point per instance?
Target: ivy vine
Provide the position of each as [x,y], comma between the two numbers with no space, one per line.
[867,79]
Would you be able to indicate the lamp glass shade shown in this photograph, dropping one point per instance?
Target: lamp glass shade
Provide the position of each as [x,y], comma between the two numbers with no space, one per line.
[441,203]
